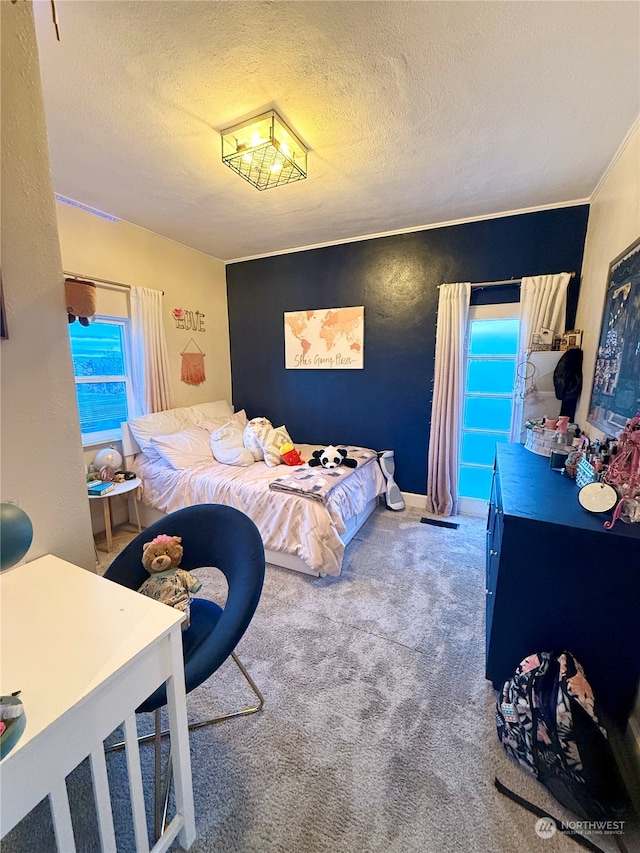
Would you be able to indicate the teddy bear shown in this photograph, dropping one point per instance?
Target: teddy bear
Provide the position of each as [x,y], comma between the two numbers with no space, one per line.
[331,457]
[167,582]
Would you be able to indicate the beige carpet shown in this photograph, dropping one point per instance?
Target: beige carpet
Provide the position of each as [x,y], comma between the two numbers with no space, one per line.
[378,732]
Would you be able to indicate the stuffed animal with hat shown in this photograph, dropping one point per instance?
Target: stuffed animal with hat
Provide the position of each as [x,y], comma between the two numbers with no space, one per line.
[331,457]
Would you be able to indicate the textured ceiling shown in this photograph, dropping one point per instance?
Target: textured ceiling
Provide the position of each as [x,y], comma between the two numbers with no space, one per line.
[414,112]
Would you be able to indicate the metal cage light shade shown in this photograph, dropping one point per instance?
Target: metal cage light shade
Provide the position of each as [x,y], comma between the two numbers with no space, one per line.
[264,151]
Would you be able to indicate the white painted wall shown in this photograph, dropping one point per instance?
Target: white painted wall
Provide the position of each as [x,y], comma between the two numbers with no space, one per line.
[614,223]
[41,454]
[119,251]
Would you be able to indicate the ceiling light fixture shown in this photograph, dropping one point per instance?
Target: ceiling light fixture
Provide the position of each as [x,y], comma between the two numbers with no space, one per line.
[264,151]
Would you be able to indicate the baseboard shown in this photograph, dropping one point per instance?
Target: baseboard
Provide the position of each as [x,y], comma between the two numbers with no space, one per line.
[411,499]
[466,506]
[473,507]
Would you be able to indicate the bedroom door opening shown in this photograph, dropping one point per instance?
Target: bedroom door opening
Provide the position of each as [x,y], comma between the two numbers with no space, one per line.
[490,374]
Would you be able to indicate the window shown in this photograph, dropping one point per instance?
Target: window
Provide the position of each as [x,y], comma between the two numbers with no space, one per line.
[100,355]
[492,345]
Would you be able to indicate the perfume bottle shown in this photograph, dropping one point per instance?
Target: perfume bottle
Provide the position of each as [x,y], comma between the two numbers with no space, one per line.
[559,449]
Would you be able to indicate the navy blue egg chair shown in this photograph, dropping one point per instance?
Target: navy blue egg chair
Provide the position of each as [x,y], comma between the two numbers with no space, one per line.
[212,535]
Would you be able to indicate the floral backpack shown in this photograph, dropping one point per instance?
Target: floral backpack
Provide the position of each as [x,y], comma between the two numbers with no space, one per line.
[547,722]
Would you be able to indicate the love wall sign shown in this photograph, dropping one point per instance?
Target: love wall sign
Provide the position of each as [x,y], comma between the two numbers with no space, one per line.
[186,319]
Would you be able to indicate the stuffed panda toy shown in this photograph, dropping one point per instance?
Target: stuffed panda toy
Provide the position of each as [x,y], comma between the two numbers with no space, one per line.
[331,457]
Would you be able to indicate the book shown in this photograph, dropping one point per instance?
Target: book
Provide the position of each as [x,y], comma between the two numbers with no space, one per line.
[98,489]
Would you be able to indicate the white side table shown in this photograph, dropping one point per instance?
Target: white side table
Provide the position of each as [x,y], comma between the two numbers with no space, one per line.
[118,489]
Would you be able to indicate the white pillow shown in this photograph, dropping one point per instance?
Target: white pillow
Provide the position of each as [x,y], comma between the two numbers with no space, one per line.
[269,438]
[227,446]
[184,449]
[160,423]
[214,424]
[212,411]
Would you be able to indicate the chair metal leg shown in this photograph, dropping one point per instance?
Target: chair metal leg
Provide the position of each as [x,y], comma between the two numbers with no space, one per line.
[161,791]
[157,774]
[162,804]
[245,712]
[161,784]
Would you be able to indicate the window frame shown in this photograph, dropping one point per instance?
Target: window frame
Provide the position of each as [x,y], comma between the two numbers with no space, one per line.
[500,311]
[93,438]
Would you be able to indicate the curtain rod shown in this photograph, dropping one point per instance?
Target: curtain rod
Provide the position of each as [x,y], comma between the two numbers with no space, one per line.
[100,280]
[504,281]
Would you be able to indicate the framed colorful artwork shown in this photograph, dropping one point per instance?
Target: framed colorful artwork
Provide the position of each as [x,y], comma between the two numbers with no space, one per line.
[615,397]
[324,339]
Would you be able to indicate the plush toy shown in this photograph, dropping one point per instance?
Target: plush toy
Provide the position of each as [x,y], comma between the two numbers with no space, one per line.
[331,457]
[168,583]
[11,707]
[290,456]
[254,429]
[12,722]
[81,300]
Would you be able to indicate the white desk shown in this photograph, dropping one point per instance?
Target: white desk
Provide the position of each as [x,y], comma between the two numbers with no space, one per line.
[86,652]
[118,489]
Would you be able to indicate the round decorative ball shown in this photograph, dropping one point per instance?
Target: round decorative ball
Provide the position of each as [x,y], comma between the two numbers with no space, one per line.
[107,474]
[16,535]
[108,456]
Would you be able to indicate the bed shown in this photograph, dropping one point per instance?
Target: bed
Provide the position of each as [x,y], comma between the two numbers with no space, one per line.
[168,452]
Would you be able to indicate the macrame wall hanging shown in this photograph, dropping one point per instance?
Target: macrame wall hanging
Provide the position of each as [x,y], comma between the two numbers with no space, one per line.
[192,371]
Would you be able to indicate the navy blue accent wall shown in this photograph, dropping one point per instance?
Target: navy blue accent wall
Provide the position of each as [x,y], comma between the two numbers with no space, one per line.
[386,405]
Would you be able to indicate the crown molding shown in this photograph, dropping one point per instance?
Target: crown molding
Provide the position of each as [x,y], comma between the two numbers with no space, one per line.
[446,224]
[623,145]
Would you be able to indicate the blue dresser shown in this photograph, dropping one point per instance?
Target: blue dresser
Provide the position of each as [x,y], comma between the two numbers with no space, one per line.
[556,579]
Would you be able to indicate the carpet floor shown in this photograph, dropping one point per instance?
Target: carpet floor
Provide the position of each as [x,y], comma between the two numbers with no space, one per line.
[378,732]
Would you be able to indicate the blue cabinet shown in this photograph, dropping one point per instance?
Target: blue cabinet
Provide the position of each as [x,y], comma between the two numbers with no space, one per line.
[556,579]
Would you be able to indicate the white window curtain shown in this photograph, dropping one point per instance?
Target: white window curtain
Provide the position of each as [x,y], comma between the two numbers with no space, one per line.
[543,305]
[448,395]
[150,362]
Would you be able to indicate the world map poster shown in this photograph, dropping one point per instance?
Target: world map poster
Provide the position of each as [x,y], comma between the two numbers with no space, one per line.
[324,339]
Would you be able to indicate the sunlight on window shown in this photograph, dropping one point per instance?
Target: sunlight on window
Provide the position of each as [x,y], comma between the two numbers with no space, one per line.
[488,402]
[100,366]
[97,349]
[494,337]
[489,376]
[487,413]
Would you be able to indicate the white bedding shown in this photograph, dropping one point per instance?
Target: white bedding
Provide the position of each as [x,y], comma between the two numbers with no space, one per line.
[290,524]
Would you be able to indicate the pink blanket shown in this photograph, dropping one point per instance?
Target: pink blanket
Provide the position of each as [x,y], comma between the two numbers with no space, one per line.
[317,483]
